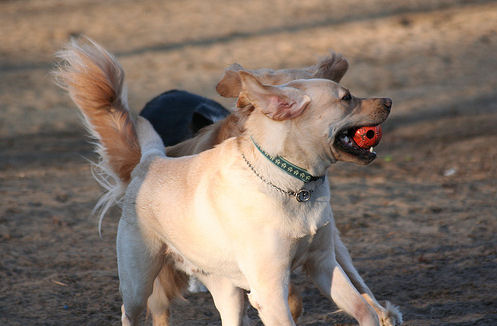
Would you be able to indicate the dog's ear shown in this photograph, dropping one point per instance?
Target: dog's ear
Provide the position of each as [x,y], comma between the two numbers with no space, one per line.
[332,67]
[276,102]
[230,85]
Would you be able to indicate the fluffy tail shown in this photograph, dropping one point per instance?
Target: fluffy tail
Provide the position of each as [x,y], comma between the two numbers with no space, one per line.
[95,82]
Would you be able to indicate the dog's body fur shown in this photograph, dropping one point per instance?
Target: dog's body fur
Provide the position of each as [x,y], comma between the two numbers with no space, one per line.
[210,216]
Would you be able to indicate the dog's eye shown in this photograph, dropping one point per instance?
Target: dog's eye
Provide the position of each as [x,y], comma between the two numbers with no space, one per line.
[346,97]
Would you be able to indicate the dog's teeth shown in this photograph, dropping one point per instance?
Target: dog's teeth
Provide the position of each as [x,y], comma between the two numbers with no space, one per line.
[371,149]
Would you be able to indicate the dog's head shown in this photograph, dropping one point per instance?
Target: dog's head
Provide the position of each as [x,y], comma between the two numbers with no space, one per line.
[318,114]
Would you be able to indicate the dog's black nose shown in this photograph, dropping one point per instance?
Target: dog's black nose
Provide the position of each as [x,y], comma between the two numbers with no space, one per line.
[387,103]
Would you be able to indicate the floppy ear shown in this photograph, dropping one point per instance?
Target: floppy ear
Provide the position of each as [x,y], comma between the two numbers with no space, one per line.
[230,85]
[332,67]
[278,103]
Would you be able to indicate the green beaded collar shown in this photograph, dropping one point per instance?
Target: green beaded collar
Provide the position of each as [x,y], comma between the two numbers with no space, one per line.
[288,167]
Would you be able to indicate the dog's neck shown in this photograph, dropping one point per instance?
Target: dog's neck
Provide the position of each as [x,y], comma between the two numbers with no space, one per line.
[277,138]
[286,139]
[287,166]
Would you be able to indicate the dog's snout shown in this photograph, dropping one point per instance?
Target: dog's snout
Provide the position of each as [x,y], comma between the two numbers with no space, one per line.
[387,103]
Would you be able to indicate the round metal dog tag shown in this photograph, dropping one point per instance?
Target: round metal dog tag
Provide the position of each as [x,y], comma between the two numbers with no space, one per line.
[303,195]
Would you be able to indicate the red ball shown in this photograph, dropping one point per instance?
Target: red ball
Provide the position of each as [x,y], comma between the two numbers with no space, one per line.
[367,137]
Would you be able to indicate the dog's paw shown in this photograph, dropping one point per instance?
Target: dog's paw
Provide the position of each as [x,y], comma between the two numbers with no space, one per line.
[390,315]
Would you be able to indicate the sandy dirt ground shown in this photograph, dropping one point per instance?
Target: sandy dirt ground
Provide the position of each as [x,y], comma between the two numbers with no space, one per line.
[420,222]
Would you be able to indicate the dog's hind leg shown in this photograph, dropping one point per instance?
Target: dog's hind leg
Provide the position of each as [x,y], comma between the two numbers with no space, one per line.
[332,281]
[169,284]
[138,265]
[229,300]
[158,305]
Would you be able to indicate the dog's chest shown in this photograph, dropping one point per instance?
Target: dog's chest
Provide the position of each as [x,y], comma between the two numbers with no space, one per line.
[211,263]
[303,219]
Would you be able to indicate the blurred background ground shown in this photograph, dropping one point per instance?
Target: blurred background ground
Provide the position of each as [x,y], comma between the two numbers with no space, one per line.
[420,222]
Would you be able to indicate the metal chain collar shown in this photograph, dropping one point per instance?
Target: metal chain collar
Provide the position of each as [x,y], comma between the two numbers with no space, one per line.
[301,195]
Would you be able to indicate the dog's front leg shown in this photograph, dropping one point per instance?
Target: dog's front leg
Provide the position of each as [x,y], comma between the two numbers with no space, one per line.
[269,295]
[389,315]
[266,267]
[138,264]
[229,299]
[333,282]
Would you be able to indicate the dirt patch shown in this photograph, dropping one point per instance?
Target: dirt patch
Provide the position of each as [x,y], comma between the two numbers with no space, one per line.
[420,222]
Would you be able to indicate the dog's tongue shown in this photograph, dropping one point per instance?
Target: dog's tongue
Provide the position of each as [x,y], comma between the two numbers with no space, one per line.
[366,137]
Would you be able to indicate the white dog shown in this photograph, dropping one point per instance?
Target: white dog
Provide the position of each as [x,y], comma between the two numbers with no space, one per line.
[240,216]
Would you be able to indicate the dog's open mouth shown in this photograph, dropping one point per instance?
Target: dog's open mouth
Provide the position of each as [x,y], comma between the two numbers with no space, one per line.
[344,141]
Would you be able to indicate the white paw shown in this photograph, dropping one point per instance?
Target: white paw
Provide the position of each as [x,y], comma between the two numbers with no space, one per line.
[390,316]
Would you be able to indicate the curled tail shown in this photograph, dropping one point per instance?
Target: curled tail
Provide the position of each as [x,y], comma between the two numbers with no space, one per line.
[95,82]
